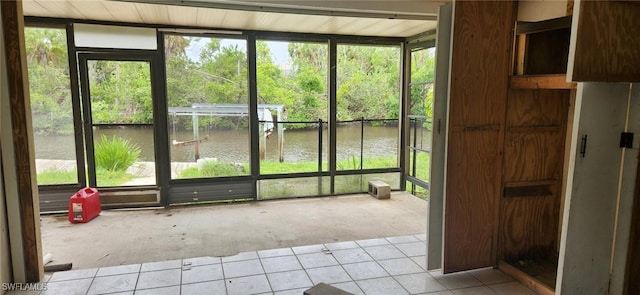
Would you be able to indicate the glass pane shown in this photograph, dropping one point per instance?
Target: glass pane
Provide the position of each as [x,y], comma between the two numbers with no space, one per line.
[51,108]
[292,88]
[122,114]
[208,106]
[346,184]
[293,187]
[420,135]
[368,104]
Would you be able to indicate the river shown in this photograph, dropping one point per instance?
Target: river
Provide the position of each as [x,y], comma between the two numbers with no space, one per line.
[233,145]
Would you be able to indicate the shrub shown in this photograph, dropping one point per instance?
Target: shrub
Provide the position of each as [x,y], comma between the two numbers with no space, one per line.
[213,169]
[115,154]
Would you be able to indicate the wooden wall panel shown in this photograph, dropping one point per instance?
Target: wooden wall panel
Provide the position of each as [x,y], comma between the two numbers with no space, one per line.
[606,42]
[481,62]
[529,226]
[533,155]
[473,189]
[480,67]
[536,107]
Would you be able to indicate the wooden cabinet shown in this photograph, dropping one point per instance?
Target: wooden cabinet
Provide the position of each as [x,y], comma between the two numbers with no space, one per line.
[605,42]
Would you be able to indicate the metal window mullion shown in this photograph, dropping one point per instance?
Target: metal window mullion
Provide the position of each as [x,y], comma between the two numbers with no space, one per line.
[253,112]
[333,57]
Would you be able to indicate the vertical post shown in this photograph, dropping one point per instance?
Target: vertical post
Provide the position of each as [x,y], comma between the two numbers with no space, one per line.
[18,164]
[404,112]
[196,135]
[280,135]
[361,141]
[253,108]
[320,126]
[263,141]
[333,57]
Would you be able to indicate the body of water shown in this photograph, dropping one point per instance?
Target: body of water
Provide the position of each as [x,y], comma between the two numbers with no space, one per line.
[233,145]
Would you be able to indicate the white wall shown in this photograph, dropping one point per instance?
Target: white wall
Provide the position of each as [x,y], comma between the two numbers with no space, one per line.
[537,10]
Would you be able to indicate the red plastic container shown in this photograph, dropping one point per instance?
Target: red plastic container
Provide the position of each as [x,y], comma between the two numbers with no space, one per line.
[84,205]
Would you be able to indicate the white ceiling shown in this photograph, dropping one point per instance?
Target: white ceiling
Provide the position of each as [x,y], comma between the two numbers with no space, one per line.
[393,18]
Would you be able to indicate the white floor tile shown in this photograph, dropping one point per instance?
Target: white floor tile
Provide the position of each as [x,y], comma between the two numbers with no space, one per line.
[511,288]
[342,245]
[73,274]
[456,280]
[115,283]
[241,256]
[74,287]
[309,249]
[197,261]
[317,260]
[205,288]
[118,270]
[350,287]
[413,249]
[282,263]
[365,270]
[351,256]
[328,275]
[384,252]
[420,261]
[400,266]
[211,272]
[372,242]
[483,290]
[247,285]
[160,278]
[420,283]
[275,252]
[242,268]
[421,237]
[381,286]
[173,290]
[402,239]
[161,265]
[289,280]
[490,276]
[291,292]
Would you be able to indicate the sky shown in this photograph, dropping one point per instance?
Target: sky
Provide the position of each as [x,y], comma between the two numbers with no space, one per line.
[279,50]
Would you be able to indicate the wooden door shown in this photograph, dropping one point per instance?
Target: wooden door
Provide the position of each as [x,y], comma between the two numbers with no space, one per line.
[480,66]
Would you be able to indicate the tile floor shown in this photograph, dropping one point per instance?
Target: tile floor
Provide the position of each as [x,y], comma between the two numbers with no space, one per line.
[387,266]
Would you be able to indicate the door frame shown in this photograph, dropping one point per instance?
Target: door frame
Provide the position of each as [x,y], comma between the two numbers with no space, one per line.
[124,196]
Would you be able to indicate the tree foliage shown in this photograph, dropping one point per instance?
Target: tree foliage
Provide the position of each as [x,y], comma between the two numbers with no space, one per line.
[214,71]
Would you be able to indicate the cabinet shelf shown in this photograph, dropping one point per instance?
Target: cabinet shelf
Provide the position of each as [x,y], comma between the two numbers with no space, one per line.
[551,81]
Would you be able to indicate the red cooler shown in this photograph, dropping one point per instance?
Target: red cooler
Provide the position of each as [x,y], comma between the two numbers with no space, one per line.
[84,205]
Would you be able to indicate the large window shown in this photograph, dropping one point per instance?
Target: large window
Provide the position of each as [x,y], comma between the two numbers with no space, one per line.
[368,106]
[207,95]
[292,106]
[51,106]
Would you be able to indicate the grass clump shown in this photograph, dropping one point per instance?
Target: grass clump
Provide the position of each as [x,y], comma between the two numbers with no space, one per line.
[214,169]
[115,154]
[53,176]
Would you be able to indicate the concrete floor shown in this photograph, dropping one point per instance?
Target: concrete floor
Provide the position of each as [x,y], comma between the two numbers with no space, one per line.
[118,237]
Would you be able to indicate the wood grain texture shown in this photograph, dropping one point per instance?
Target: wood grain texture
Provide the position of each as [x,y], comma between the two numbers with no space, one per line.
[533,155]
[607,42]
[536,107]
[473,189]
[529,226]
[525,279]
[482,44]
[481,64]
[17,84]
[553,81]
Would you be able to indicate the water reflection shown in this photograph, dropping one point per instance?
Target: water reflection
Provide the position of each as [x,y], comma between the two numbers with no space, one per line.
[232,146]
